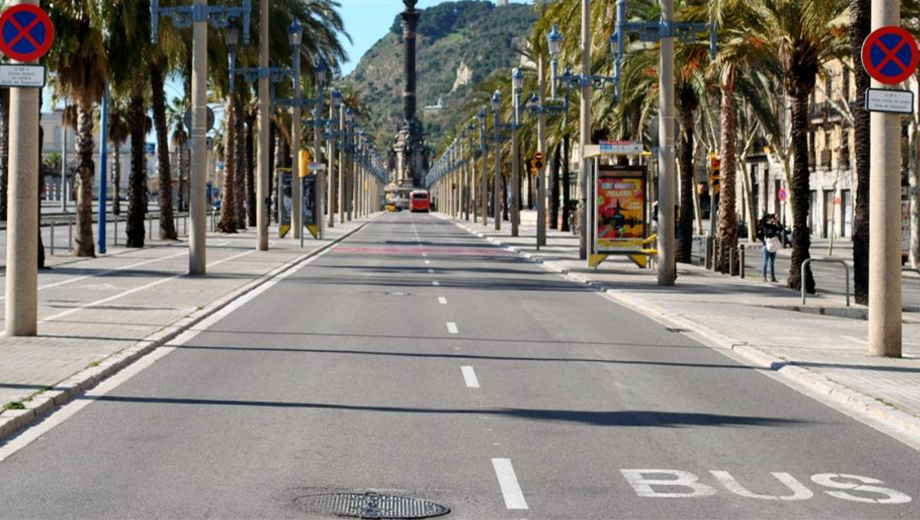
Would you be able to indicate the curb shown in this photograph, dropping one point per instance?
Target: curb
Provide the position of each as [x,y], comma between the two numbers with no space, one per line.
[12,421]
[750,354]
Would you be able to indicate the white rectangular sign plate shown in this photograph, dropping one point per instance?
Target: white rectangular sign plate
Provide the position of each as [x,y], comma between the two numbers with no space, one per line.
[317,167]
[22,76]
[620,148]
[890,101]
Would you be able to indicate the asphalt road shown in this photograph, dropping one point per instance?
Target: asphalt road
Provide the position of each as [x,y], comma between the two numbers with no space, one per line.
[417,360]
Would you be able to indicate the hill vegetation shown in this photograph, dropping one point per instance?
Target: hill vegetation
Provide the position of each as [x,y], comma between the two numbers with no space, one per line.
[460,44]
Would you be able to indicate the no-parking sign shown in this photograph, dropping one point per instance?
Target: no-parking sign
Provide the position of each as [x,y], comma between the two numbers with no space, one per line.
[26,32]
[890,55]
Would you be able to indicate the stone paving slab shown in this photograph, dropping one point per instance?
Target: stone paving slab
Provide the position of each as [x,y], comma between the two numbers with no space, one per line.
[94,310]
[827,353]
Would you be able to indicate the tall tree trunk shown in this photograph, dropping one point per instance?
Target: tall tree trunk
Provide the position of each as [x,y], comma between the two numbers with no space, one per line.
[83,244]
[688,104]
[5,150]
[228,197]
[728,213]
[250,159]
[914,194]
[164,174]
[180,167]
[554,189]
[566,196]
[137,179]
[116,180]
[274,162]
[801,239]
[41,188]
[859,31]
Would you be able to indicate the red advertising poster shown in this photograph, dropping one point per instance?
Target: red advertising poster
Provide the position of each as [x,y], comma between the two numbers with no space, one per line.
[621,218]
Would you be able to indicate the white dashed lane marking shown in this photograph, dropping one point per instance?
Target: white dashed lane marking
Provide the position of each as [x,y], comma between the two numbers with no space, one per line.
[452,328]
[511,490]
[469,377]
[442,300]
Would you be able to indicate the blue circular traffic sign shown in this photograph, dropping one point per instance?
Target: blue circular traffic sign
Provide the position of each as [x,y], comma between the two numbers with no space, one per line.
[890,55]
[26,32]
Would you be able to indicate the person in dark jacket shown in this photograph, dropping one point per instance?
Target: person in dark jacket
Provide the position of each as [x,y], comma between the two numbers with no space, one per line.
[770,237]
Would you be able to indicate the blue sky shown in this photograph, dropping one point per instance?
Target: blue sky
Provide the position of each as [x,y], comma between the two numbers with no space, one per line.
[366,21]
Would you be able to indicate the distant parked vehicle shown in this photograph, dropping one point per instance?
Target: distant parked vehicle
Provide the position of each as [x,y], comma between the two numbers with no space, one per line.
[419,201]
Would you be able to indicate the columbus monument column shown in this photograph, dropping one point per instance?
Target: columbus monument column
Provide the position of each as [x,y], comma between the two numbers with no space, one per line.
[409,154]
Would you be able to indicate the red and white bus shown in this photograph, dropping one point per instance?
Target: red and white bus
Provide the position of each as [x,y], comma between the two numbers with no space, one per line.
[419,201]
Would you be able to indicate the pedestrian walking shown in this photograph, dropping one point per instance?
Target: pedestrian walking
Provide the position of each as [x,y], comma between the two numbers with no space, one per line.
[769,235]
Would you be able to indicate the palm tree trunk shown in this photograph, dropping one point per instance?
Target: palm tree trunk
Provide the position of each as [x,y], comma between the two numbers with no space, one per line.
[566,196]
[228,197]
[5,149]
[180,166]
[41,188]
[554,190]
[801,238]
[859,31]
[164,175]
[250,160]
[83,245]
[116,180]
[688,106]
[137,179]
[728,216]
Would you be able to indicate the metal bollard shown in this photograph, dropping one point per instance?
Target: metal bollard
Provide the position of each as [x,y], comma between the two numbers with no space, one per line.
[69,236]
[115,234]
[731,261]
[52,238]
[742,260]
[150,227]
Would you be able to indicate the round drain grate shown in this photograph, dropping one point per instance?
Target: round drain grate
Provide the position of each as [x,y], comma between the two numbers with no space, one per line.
[370,505]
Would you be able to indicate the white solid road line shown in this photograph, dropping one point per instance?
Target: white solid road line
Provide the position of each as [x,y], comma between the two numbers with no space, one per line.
[104,273]
[134,290]
[435,283]
[442,300]
[70,409]
[427,262]
[511,490]
[452,328]
[469,377]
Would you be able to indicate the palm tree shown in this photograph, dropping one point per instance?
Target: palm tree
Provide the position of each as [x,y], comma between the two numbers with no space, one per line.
[179,139]
[803,37]
[118,135]
[741,31]
[137,192]
[859,31]
[80,59]
[228,217]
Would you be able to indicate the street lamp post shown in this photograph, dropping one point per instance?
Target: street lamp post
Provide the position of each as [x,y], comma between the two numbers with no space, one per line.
[517,84]
[471,174]
[496,187]
[295,36]
[199,16]
[484,179]
[332,126]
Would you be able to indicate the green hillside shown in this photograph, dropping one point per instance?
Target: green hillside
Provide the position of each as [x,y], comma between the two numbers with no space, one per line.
[459,44]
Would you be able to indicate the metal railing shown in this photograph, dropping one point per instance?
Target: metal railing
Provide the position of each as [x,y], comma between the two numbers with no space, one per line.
[846,269]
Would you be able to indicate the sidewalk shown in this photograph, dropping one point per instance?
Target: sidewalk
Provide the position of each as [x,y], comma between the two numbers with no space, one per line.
[757,321]
[98,315]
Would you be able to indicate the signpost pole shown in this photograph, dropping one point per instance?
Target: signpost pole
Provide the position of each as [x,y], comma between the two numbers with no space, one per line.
[199,152]
[884,206]
[262,194]
[541,148]
[22,218]
[667,270]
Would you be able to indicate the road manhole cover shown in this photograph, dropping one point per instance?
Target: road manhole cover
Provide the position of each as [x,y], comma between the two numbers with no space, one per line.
[369,505]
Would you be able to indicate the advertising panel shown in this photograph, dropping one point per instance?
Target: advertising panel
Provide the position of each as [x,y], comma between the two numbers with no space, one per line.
[285,209]
[621,211]
[310,220]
